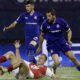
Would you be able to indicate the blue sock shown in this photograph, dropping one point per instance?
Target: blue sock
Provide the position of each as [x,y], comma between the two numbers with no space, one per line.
[32,52]
[32,56]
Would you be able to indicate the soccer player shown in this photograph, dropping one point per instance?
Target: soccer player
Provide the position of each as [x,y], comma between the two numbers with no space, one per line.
[32,20]
[26,68]
[53,30]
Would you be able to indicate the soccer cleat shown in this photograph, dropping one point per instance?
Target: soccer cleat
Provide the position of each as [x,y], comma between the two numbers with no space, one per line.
[78,68]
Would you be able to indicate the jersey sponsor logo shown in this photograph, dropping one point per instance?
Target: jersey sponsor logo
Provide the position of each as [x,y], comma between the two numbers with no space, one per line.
[31,23]
[55,31]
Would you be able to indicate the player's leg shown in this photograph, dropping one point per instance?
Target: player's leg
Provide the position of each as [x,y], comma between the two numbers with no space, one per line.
[32,49]
[23,71]
[68,52]
[56,60]
[15,62]
[72,57]
[54,49]
[6,56]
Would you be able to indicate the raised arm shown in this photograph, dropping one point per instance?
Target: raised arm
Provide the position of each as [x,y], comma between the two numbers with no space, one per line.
[20,19]
[17,46]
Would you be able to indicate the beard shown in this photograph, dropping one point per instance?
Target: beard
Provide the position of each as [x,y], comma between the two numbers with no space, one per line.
[51,21]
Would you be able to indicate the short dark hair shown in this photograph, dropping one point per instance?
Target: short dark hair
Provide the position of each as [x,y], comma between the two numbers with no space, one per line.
[44,56]
[29,2]
[52,11]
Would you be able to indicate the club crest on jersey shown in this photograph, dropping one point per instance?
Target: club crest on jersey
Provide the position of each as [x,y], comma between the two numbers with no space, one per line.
[35,17]
[58,26]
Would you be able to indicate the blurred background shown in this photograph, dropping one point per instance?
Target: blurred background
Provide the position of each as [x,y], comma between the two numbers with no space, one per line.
[11,9]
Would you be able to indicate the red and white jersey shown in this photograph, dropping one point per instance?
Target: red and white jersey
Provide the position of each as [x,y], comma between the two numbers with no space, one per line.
[40,71]
[36,71]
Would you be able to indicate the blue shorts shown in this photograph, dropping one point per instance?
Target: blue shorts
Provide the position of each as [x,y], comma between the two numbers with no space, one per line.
[57,47]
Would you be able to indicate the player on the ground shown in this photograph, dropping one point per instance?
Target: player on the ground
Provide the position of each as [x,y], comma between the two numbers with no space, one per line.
[32,20]
[25,68]
[53,30]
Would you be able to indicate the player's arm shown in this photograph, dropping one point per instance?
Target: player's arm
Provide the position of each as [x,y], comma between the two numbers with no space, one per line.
[41,39]
[13,25]
[69,35]
[66,27]
[17,46]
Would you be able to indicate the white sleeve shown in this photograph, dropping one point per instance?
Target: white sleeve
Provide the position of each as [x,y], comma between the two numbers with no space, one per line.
[49,73]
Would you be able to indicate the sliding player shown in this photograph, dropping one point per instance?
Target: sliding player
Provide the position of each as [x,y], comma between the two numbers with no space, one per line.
[25,68]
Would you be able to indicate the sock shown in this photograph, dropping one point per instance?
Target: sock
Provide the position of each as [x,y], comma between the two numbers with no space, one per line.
[32,56]
[55,68]
[10,68]
[2,59]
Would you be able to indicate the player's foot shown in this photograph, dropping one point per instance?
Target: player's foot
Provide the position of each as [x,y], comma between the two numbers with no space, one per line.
[54,70]
[1,70]
[78,68]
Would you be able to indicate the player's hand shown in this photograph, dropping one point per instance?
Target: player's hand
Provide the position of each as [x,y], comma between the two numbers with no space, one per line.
[39,50]
[17,44]
[70,43]
[4,29]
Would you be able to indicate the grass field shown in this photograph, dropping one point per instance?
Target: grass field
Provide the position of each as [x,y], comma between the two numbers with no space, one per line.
[65,73]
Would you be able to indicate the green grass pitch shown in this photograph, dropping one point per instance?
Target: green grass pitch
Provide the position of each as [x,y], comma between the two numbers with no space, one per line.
[65,73]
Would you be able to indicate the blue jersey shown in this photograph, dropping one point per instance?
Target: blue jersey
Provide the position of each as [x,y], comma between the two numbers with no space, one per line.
[32,23]
[55,31]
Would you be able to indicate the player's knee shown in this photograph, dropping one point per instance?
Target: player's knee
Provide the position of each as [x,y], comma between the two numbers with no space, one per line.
[11,53]
[57,63]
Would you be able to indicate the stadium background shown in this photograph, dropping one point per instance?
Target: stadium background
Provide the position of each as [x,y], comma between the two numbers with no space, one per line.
[11,9]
